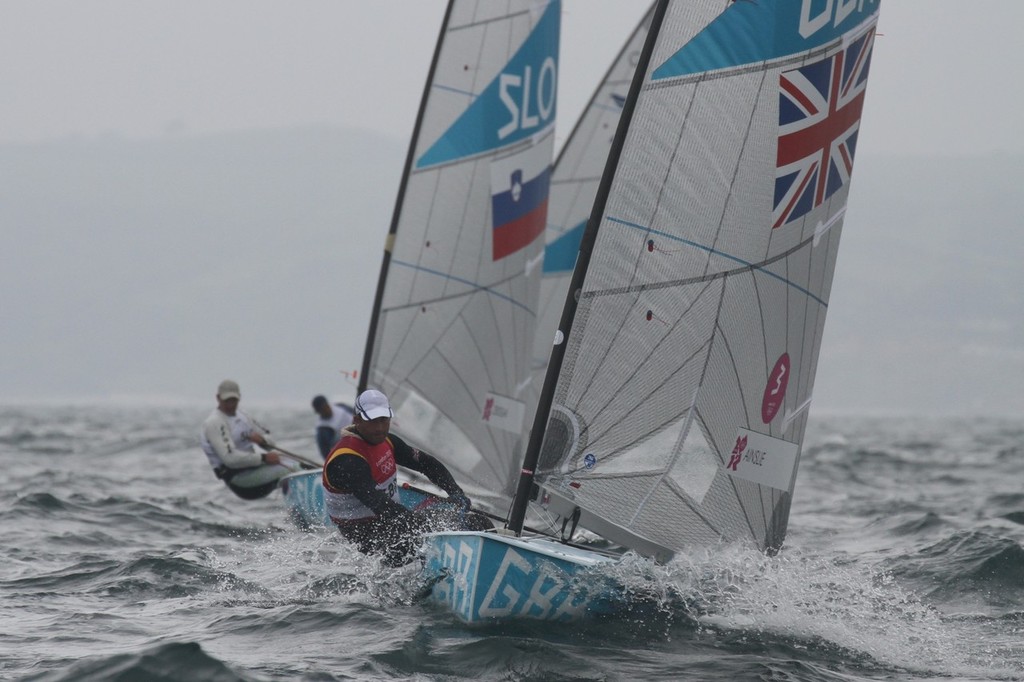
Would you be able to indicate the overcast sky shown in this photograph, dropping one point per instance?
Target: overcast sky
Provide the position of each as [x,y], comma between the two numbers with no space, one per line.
[945,82]
[945,78]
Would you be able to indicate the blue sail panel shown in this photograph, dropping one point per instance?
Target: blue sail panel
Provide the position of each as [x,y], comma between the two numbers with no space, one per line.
[517,104]
[750,32]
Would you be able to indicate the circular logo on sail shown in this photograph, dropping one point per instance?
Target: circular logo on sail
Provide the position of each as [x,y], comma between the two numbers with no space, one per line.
[775,391]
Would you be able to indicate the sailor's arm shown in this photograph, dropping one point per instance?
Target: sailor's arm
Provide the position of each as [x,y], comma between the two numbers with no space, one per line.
[259,434]
[218,433]
[429,466]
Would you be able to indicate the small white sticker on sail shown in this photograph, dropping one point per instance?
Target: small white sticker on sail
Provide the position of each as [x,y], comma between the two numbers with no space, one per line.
[503,413]
[763,460]
[824,227]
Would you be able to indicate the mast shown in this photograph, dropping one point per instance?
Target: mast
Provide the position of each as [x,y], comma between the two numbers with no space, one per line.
[524,488]
[390,241]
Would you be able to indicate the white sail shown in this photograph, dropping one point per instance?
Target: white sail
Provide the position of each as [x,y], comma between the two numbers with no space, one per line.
[574,181]
[455,316]
[704,278]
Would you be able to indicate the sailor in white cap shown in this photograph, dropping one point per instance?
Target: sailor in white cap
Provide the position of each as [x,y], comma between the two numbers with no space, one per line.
[361,485]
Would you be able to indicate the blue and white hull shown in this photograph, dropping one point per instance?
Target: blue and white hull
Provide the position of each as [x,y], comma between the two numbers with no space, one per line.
[485,576]
[304,496]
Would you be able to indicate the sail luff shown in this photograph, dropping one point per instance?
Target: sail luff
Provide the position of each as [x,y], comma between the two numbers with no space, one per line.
[524,487]
[371,334]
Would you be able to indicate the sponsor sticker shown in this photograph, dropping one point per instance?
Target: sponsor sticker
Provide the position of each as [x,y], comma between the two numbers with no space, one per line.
[775,389]
[762,459]
[503,413]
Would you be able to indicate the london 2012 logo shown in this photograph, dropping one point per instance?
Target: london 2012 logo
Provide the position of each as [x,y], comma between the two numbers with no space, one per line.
[737,453]
[775,390]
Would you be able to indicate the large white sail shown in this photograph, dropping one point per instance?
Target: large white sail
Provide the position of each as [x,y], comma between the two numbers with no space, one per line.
[574,181]
[704,277]
[455,316]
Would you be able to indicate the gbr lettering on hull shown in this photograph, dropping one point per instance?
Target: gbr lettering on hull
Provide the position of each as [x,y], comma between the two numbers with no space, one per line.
[548,594]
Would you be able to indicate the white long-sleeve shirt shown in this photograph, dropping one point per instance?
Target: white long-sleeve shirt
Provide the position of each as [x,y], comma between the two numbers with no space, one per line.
[225,440]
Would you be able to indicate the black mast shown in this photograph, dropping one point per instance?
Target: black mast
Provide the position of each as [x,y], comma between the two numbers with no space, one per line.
[525,487]
[371,335]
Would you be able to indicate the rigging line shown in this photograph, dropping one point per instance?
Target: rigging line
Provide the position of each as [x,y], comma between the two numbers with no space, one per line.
[458,91]
[459,318]
[732,482]
[732,361]
[488,464]
[490,435]
[690,414]
[664,339]
[612,426]
[504,370]
[703,347]
[674,486]
[747,265]
[716,448]
[739,164]
[476,287]
[457,315]
[675,458]
[371,358]
[493,20]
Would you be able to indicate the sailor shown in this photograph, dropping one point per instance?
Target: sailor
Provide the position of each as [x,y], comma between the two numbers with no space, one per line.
[228,436]
[333,418]
[361,487]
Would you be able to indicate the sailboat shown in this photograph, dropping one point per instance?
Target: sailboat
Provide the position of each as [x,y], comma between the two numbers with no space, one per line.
[676,396]
[454,316]
[574,181]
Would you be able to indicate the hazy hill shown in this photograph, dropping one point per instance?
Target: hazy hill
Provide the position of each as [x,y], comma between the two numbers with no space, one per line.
[155,268]
[159,266]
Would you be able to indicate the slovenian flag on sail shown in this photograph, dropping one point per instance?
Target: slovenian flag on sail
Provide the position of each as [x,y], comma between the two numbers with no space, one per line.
[819,117]
[519,198]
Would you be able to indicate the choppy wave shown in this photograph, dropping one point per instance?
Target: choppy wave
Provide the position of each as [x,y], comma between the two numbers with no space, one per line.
[125,559]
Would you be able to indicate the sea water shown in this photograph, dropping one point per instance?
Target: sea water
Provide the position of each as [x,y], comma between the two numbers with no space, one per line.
[123,558]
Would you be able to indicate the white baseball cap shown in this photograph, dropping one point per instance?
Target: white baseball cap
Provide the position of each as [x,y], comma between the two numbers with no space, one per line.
[372,405]
[228,389]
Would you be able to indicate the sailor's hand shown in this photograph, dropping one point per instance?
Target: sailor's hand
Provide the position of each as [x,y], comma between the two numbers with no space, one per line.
[460,500]
[257,437]
[272,457]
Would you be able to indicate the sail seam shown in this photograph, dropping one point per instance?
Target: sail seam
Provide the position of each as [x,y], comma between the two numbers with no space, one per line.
[747,265]
[475,288]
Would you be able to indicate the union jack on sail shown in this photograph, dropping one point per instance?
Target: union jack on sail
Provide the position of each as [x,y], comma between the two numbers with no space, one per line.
[820,106]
